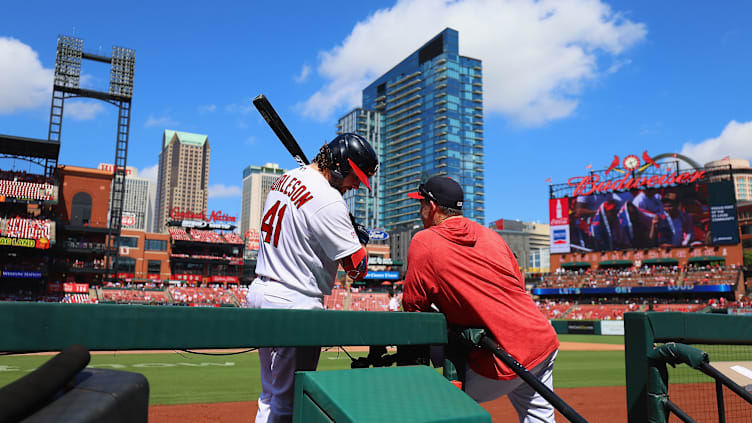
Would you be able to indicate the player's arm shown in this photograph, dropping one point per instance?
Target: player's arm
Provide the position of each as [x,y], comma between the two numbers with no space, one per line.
[356,264]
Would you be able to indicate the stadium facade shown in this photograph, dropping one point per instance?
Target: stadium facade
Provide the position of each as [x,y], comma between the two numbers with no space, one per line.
[183,181]
[431,107]
[137,214]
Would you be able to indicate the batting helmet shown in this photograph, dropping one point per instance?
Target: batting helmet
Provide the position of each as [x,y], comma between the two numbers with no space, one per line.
[351,152]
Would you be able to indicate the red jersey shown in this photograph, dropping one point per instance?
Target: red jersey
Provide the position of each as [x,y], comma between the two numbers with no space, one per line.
[472,276]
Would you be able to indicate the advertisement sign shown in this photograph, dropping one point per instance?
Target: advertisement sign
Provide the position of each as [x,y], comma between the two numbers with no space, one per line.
[378,234]
[153,276]
[216,216]
[186,277]
[387,275]
[560,239]
[128,220]
[724,226]
[558,211]
[223,279]
[41,243]
[23,274]
[634,290]
[76,288]
[202,224]
[581,327]
[612,327]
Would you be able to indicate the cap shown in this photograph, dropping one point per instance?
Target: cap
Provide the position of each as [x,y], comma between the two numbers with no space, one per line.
[442,190]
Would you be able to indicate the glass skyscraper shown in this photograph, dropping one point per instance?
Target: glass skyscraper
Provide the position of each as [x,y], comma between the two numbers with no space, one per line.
[362,203]
[431,107]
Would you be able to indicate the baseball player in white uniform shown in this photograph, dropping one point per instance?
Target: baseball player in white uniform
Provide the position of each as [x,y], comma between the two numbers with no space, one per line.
[306,232]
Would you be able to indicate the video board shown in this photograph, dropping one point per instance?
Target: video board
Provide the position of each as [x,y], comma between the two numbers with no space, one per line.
[654,217]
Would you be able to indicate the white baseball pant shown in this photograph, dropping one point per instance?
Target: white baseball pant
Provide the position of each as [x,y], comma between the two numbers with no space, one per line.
[531,407]
[279,364]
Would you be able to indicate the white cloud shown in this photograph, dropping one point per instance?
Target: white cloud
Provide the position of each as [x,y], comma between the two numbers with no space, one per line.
[251,140]
[83,110]
[239,108]
[24,82]
[303,75]
[150,172]
[222,190]
[537,55]
[208,108]
[735,141]
[163,121]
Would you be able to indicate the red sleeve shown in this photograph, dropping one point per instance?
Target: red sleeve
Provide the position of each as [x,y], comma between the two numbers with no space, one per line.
[419,289]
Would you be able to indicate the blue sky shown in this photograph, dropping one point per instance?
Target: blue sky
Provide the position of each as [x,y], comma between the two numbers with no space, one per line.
[566,83]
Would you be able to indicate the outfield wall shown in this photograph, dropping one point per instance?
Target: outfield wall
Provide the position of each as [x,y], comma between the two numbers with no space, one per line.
[589,327]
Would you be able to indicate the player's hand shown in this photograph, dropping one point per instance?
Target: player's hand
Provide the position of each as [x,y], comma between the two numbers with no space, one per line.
[361,231]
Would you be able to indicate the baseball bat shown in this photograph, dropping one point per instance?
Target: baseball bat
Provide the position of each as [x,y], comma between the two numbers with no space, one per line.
[280,129]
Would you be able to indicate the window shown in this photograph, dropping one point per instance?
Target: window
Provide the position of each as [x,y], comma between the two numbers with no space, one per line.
[129,241]
[155,244]
[126,265]
[81,209]
[154,266]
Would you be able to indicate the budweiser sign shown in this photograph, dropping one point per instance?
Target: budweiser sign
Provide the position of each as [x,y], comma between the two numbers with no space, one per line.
[588,185]
[216,216]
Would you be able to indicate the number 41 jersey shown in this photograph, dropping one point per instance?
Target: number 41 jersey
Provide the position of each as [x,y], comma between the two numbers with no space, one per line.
[305,229]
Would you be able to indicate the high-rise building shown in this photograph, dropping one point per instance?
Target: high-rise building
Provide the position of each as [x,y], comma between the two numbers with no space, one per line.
[530,242]
[362,203]
[257,181]
[138,199]
[183,181]
[431,105]
[741,175]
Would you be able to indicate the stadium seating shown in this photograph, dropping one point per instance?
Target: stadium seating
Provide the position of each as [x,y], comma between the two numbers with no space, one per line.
[233,238]
[687,308]
[134,296]
[600,311]
[201,295]
[178,234]
[29,190]
[202,235]
[336,301]
[368,301]
[554,309]
[21,227]
[78,299]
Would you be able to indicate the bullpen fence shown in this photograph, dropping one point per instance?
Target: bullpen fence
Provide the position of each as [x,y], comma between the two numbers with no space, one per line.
[725,339]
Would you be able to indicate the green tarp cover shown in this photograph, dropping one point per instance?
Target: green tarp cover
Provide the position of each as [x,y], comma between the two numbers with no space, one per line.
[385,394]
[31,327]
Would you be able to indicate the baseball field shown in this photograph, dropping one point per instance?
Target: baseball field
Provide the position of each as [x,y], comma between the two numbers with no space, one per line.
[223,388]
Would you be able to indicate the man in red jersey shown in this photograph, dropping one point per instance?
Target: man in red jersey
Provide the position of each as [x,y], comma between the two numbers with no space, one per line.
[471,275]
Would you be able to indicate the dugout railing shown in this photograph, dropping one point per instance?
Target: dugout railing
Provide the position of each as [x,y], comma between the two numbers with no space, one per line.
[727,340]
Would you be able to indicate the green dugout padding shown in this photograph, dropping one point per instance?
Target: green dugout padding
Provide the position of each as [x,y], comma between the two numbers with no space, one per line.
[378,395]
[642,330]
[30,327]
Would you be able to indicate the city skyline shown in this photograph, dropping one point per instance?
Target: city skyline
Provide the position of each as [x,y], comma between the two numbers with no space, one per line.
[565,85]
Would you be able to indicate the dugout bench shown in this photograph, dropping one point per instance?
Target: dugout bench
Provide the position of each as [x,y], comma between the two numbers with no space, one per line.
[320,396]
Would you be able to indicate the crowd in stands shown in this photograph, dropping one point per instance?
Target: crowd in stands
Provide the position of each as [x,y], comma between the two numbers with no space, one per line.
[135,296]
[26,185]
[22,176]
[86,264]
[642,276]
[201,295]
[25,227]
[203,235]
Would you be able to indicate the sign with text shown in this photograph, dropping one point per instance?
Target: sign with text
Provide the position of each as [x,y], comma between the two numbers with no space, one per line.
[558,211]
[387,275]
[724,227]
[560,239]
[22,274]
[76,288]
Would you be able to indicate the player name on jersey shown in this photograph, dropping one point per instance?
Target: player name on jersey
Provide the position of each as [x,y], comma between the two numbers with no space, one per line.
[292,188]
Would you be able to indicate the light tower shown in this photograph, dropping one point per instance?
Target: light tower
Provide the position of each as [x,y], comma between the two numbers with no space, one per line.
[67,85]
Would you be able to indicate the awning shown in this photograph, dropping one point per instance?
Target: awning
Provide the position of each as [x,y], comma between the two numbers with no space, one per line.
[660,261]
[702,259]
[615,263]
[575,264]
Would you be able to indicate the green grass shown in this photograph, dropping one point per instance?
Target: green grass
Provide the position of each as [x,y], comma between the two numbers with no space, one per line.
[183,378]
[595,339]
